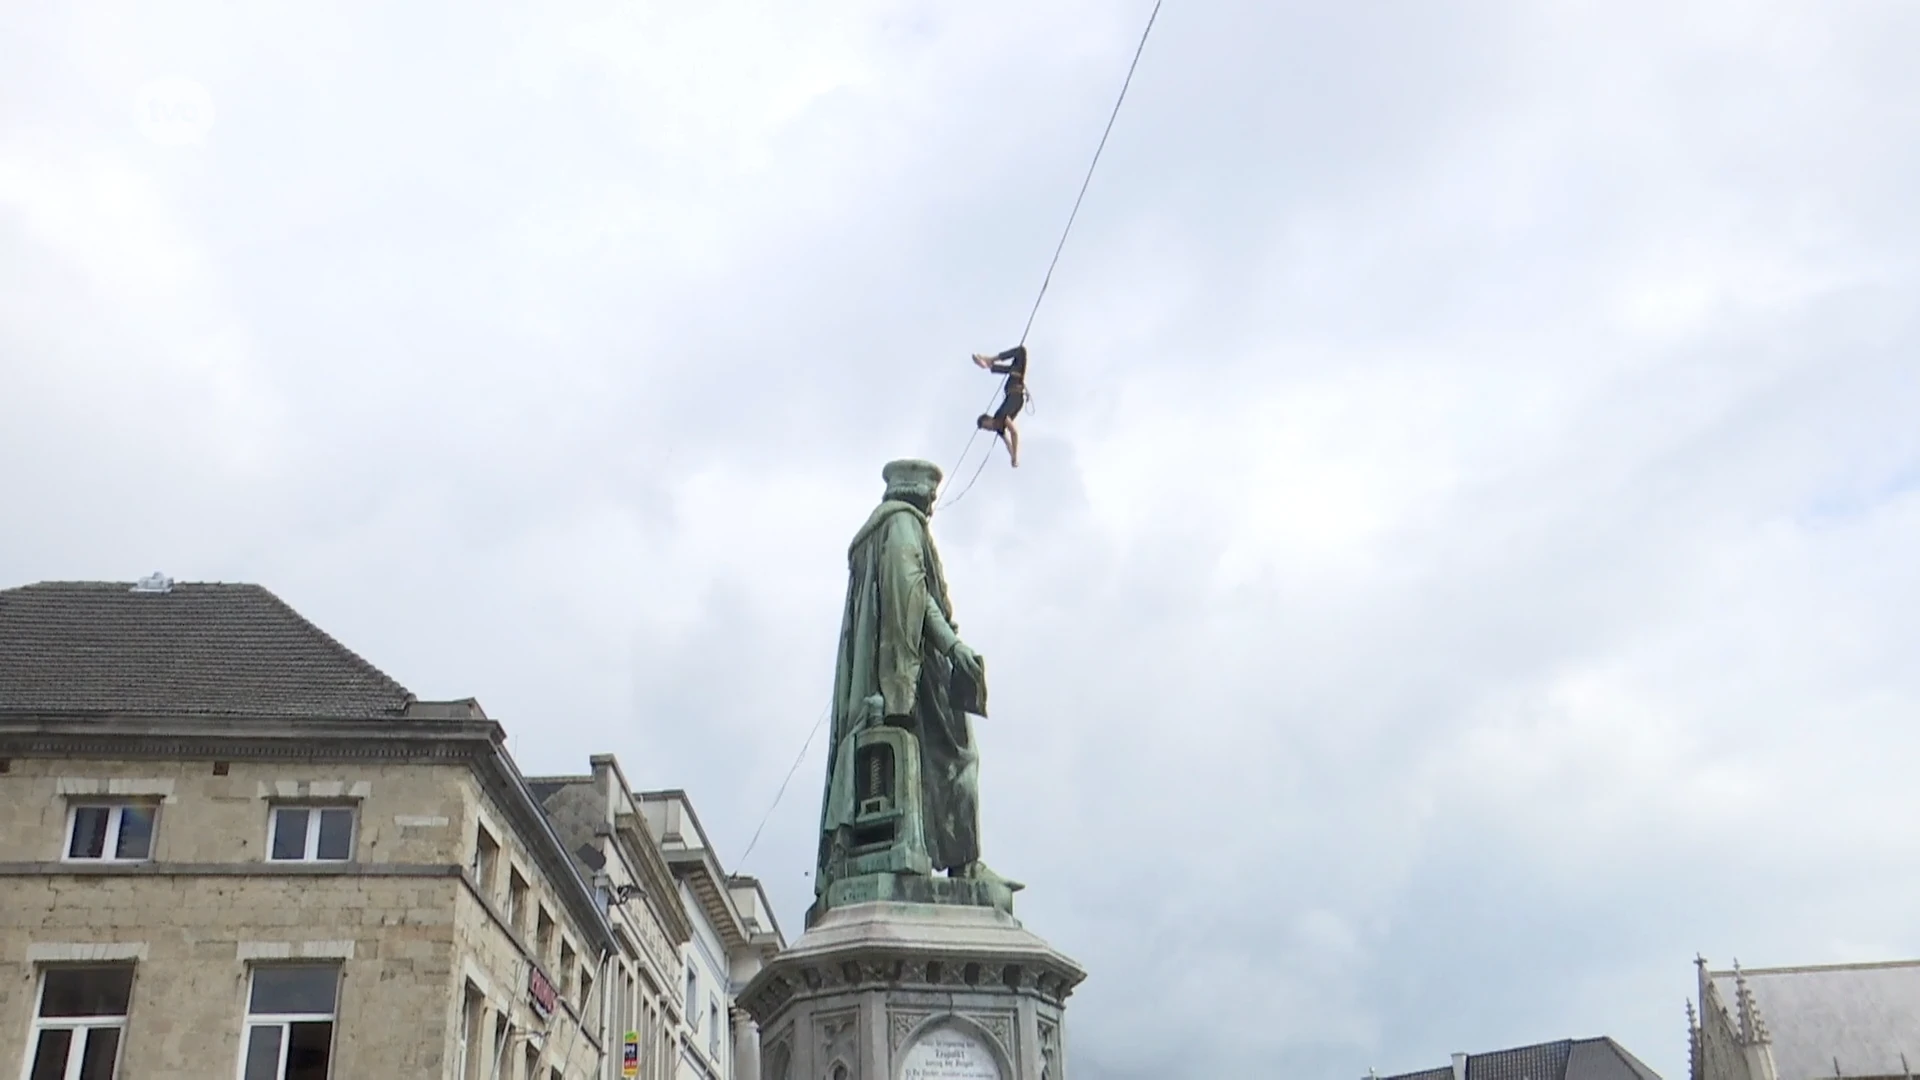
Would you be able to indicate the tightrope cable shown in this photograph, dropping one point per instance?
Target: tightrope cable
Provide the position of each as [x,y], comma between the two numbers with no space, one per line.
[1031,315]
[1064,233]
[808,745]
[1072,216]
[976,475]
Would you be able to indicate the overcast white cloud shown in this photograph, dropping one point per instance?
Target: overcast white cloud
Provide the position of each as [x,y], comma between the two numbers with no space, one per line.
[1463,563]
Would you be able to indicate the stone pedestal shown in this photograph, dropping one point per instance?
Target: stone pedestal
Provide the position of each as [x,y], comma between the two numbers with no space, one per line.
[913,991]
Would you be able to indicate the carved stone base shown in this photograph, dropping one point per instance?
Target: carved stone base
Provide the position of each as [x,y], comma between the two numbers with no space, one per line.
[897,991]
[912,889]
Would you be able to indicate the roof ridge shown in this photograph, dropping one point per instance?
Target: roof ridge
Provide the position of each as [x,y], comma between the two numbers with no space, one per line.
[198,648]
[127,585]
[1804,969]
[334,643]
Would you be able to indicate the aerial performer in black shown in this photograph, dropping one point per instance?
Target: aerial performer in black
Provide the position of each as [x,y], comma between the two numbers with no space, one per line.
[1012,364]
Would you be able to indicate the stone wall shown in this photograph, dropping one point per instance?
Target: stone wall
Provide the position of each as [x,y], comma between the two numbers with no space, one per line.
[409,813]
[192,939]
[406,920]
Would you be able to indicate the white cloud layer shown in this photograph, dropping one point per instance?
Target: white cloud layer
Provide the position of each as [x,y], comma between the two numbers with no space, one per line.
[1463,561]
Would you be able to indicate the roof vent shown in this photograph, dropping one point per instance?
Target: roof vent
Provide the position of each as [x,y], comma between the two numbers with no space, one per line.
[155,582]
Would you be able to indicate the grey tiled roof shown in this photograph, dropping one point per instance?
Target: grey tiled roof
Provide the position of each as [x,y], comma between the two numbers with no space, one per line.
[1567,1059]
[1864,1015]
[201,649]
[1545,1061]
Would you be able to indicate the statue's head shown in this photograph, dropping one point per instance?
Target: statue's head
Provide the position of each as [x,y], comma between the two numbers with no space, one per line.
[912,481]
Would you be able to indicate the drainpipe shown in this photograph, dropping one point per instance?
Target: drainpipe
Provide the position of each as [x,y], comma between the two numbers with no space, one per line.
[607,1057]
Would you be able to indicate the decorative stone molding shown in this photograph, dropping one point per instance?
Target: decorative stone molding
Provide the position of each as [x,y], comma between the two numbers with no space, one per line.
[479,978]
[878,990]
[290,950]
[115,787]
[236,747]
[997,1024]
[317,789]
[229,869]
[67,952]
[836,1032]
[776,1057]
[925,971]
[902,1022]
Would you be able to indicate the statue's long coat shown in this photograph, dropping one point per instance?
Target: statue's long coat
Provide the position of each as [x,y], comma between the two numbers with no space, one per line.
[893,638]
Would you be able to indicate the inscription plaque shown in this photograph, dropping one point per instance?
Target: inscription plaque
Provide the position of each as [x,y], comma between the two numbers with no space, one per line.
[946,1053]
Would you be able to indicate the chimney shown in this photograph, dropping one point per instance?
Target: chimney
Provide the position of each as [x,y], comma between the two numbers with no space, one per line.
[1459,1067]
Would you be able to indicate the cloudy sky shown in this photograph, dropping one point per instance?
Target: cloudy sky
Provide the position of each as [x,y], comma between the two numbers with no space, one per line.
[1465,554]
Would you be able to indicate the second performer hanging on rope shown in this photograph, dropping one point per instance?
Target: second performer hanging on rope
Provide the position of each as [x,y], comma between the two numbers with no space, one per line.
[1012,364]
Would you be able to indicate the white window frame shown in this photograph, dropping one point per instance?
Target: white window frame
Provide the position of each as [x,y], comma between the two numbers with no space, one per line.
[311,852]
[75,1024]
[285,1022]
[502,1042]
[473,1009]
[115,811]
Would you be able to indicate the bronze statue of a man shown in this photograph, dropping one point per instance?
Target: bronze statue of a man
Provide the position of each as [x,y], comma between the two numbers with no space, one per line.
[902,663]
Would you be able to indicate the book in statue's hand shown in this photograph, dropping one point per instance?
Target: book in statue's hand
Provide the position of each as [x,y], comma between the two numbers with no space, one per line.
[967,695]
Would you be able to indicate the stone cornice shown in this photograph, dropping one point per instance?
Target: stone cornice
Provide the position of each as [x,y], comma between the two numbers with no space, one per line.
[232,869]
[126,737]
[1049,978]
[703,875]
[643,853]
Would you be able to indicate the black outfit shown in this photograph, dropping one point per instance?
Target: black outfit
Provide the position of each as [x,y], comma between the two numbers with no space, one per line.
[1012,364]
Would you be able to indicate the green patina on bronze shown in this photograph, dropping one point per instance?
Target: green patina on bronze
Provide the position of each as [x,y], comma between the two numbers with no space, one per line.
[902,793]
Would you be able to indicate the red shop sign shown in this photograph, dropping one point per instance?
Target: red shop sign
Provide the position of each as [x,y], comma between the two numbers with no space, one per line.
[540,988]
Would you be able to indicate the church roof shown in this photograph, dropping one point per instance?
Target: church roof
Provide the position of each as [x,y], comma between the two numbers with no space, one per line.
[1862,1016]
[103,648]
[1567,1059]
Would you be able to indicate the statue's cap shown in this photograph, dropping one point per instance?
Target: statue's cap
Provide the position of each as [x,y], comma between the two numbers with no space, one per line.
[911,477]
